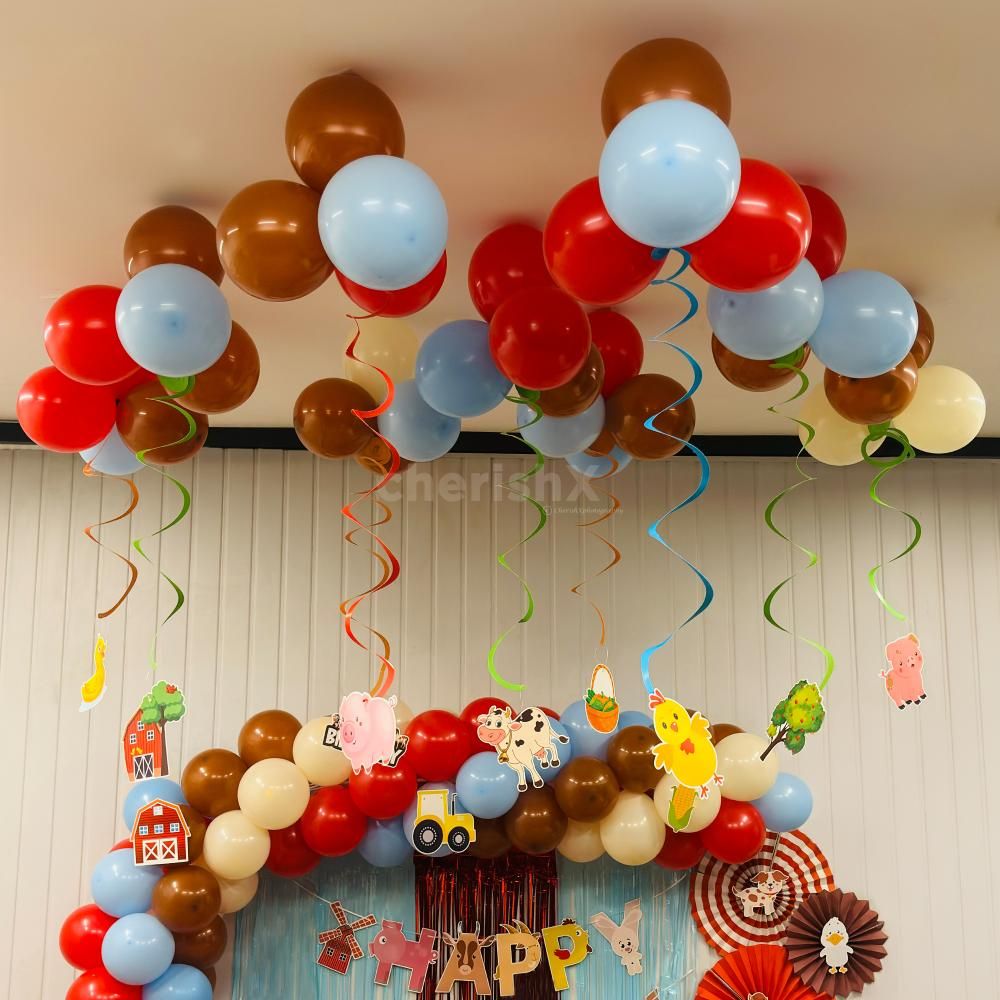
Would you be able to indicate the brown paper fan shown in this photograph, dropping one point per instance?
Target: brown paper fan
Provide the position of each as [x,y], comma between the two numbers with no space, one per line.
[859,952]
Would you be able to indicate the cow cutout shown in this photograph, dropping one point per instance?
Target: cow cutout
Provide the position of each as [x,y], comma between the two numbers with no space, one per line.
[466,964]
[393,949]
[516,937]
[623,937]
[521,743]
[562,958]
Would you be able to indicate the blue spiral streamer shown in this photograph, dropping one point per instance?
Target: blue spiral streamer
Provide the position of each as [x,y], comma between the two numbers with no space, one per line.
[654,529]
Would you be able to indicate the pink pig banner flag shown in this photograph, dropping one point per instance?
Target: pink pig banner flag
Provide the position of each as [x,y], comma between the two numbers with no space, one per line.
[903,680]
[365,731]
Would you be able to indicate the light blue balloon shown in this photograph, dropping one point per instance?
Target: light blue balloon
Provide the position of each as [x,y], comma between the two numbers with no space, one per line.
[173,320]
[565,750]
[143,792]
[456,374]
[869,324]
[769,324]
[560,437]
[634,718]
[410,816]
[384,845]
[383,222]
[112,456]
[179,982]
[120,886]
[486,788]
[787,805]
[669,173]
[598,466]
[418,431]
[587,741]
[137,949]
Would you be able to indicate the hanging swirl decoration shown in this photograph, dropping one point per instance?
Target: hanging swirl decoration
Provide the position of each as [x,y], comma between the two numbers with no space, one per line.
[705,472]
[133,570]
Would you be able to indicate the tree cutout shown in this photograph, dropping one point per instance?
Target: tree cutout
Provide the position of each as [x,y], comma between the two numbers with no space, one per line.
[163,704]
[794,717]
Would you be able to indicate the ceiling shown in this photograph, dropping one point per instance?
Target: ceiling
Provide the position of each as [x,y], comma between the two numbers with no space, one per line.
[107,112]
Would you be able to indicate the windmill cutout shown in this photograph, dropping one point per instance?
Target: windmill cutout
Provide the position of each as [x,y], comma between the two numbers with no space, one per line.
[339,944]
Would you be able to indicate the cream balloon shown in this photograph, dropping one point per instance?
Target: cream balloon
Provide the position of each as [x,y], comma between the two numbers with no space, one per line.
[391,345]
[947,410]
[837,441]
[322,765]
[235,848]
[633,833]
[236,893]
[404,715]
[273,793]
[702,812]
[745,776]
[581,842]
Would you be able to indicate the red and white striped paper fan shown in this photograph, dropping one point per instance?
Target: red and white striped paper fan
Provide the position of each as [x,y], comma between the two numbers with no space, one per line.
[722,894]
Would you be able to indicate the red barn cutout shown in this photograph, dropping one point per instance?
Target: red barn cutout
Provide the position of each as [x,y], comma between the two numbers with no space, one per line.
[143,747]
[160,834]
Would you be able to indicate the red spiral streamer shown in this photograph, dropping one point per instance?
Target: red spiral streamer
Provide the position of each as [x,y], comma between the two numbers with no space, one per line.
[89,532]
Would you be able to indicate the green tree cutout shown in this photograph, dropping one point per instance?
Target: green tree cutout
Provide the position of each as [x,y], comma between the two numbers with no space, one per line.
[165,703]
[800,713]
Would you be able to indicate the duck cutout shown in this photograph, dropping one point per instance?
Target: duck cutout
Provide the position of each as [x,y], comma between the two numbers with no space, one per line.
[836,950]
[93,688]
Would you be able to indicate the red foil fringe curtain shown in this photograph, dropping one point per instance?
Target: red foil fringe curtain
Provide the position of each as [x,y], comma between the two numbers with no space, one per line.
[492,892]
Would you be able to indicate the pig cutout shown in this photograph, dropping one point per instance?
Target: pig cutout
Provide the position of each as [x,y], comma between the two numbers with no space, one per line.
[365,731]
[393,948]
[903,681]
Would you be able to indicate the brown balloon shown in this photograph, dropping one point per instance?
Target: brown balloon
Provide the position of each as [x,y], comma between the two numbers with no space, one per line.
[231,381]
[201,948]
[721,730]
[268,734]
[924,344]
[536,824]
[211,780]
[324,420]
[187,898]
[602,444]
[491,839]
[630,756]
[873,400]
[640,398]
[586,789]
[660,69]
[374,457]
[196,831]
[269,241]
[173,234]
[210,976]
[578,393]
[147,422]
[339,119]
[745,373]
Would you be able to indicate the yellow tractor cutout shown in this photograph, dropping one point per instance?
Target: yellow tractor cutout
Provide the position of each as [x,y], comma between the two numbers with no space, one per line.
[436,823]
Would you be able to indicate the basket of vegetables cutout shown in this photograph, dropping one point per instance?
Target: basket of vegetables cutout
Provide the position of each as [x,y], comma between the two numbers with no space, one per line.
[602,708]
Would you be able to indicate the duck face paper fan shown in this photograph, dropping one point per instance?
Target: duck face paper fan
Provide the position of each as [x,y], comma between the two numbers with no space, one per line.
[835,942]
[760,972]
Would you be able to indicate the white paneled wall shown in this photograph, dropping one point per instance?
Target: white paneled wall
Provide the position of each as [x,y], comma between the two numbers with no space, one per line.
[907,803]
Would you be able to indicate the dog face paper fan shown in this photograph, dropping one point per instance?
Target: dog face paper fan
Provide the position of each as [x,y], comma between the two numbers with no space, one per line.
[750,903]
[761,972]
[835,942]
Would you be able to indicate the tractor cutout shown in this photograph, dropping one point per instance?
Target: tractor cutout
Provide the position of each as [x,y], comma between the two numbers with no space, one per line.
[437,823]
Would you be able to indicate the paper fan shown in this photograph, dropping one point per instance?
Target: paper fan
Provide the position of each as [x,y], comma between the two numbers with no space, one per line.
[760,972]
[738,905]
[836,943]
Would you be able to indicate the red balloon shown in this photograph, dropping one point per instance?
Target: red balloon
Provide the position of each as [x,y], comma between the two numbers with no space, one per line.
[680,851]
[62,415]
[290,856]
[99,984]
[551,713]
[81,337]
[540,338]
[506,261]
[477,707]
[401,301]
[332,824]
[620,346]
[124,386]
[828,242]
[736,834]
[386,792]
[81,936]
[440,743]
[589,256]
[763,237]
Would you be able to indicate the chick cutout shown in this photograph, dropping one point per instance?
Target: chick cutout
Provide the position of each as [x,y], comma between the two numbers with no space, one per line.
[836,950]
[685,751]
[93,688]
